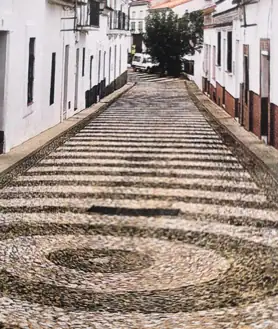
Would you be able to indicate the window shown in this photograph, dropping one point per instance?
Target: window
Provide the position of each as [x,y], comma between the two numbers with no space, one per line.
[120,20]
[141,13]
[189,67]
[99,66]
[83,61]
[31,71]
[229,51]
[115,62]
[140,26]
[133,14]
[120,60]
[219,48]
[104,68]
[205,63]
[52,79]
[246,79]
[132,26]
[91,70]
[213,61]
[109,67]
[94,13]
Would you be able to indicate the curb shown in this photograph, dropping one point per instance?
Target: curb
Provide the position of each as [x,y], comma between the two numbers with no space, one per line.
[43,150]
[261,171]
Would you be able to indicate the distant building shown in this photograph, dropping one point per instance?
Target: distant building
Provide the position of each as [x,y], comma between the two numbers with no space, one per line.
[138,12]
[56,58]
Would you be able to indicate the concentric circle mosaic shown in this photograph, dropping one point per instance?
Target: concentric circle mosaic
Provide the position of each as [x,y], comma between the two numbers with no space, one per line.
[100,260]
[151,261]
[194,270]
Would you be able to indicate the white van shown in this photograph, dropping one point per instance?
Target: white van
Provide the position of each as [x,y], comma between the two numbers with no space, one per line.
[143,63]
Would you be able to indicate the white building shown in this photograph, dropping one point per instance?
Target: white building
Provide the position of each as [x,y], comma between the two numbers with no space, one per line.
[242,65]
[139,10]
[56,58]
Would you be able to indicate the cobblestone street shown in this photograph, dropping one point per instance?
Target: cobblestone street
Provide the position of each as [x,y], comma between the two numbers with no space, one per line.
[144,218]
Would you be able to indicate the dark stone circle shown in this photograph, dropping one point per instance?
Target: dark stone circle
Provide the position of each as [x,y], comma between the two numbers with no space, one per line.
[252,277]
[8,326]
[100,260]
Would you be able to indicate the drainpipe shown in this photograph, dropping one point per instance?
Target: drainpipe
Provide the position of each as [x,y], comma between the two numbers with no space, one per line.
[6,91]
[63,77]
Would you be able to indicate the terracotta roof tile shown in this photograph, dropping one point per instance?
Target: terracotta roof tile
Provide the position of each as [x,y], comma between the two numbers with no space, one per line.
[170,4]
[209,10]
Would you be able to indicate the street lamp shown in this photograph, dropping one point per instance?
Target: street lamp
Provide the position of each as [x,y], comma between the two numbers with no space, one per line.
[102,5]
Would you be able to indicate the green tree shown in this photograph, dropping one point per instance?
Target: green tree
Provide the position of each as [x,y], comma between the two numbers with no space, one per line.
[168,38]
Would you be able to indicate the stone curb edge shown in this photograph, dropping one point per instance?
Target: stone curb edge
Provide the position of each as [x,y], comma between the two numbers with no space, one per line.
[259,162]
[32,158]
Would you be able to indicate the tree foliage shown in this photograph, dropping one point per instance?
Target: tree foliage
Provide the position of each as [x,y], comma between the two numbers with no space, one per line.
[168,38]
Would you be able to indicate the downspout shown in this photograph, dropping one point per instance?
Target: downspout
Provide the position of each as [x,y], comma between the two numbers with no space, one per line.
[6,92]
[63,77]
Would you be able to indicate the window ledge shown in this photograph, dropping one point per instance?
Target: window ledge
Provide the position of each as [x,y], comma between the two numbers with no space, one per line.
[29,112]
[87,28]
[230,73]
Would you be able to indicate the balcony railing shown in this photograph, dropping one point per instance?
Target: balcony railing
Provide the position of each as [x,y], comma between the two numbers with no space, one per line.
[88,16]
[68,3]
[119,20]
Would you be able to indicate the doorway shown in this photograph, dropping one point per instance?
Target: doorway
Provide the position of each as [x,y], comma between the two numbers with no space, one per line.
[66,77]
[245,116]
[76,80]
[3,67]
[91,71]
[104,65]
[99,91]
[109,66]
[120,61]
[265,89]
[138,42]
[115,62]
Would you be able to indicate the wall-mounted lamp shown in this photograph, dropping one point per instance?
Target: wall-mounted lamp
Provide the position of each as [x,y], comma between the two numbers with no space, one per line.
[102,5]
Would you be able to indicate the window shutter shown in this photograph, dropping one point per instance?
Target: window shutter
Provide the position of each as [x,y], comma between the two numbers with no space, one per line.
[230,51]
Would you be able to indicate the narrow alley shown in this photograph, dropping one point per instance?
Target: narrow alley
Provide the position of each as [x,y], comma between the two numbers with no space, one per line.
[144,218]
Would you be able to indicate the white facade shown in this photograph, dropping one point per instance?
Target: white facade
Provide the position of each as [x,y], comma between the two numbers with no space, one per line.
[67,63]
[246,87]
[215,69]
[138,14]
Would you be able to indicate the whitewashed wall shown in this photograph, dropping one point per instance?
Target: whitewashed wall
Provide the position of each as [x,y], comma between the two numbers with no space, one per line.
[263,15]
[229,80]
[39,19]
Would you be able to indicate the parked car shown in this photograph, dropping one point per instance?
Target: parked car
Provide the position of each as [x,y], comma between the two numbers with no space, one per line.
[143,63]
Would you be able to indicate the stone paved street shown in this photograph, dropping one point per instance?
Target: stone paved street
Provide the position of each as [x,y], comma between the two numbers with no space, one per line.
[144,218]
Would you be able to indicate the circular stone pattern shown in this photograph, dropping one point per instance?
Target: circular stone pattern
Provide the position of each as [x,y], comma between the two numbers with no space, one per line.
[251,277]
[100,260]
[169,264]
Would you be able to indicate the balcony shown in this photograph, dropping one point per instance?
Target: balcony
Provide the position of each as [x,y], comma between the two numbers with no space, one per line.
[68,3]
[118,22]
[88,16]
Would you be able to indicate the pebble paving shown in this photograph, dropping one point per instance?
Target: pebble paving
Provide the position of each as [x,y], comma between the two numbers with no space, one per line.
[144,218]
